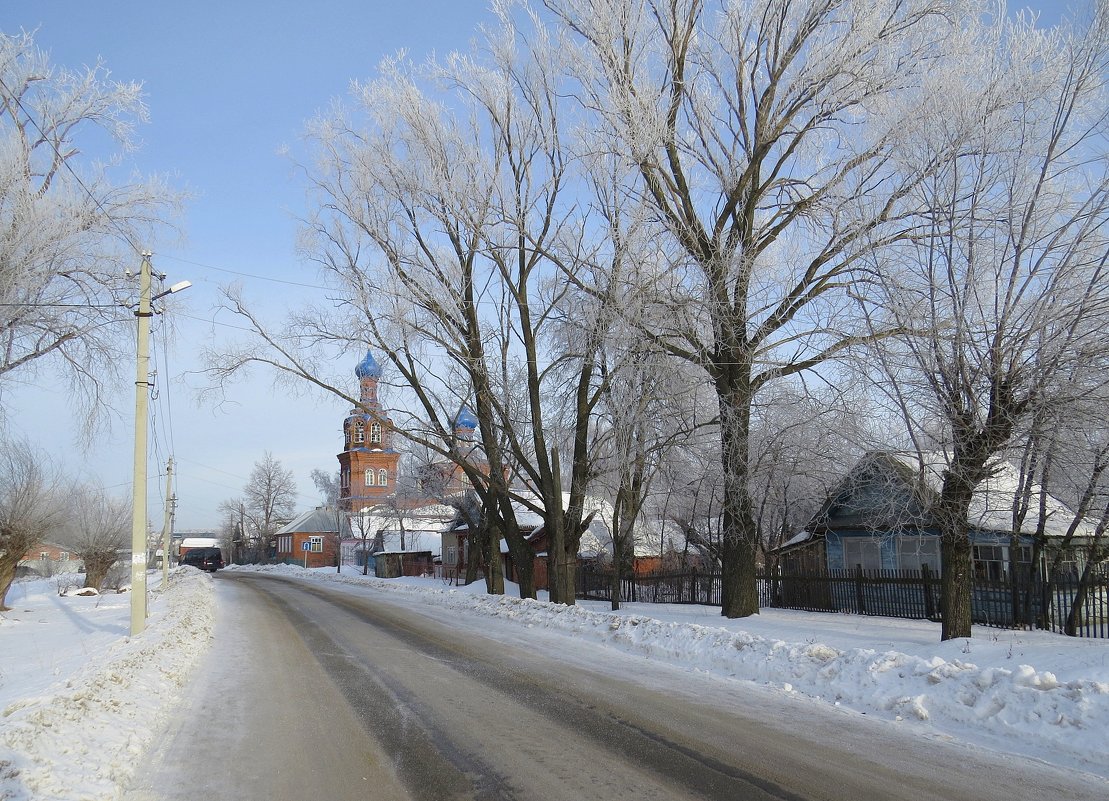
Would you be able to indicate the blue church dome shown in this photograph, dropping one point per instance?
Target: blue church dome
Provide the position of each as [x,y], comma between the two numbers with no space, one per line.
[465,419]
[368,367]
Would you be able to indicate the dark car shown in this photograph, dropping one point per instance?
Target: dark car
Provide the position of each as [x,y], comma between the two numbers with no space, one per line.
[204,558]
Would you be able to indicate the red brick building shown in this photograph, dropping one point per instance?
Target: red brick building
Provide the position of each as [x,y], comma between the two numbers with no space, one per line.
[320,529]
[368,463]
[48,558]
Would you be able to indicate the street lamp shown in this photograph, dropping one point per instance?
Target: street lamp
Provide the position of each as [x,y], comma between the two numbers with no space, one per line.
[142,393]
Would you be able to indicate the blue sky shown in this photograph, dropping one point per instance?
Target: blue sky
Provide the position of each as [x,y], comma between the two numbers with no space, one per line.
[229,85]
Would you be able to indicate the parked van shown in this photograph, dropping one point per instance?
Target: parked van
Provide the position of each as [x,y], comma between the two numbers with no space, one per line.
[210,559]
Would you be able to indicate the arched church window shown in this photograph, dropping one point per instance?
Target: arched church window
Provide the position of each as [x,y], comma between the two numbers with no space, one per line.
[383,477]
[369,477]
[359,431]
[375,432]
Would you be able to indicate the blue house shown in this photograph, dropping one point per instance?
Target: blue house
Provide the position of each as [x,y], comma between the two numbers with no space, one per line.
[878,518]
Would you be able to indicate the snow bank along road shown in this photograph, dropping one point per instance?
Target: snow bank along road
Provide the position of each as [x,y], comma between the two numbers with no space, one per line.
[318,691]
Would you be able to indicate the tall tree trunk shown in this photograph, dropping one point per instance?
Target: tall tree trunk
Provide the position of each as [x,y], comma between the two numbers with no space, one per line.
[494,570]
[7,575]
[955,584]
[615,581]
[522,557]
[739,535]
[563,563]
[617,551]
[951,514]
[97,567]
[562,545]
[476,544]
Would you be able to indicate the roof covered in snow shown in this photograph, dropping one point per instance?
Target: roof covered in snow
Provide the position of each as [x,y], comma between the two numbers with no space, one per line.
[901,486]
[321,520]
[991,507]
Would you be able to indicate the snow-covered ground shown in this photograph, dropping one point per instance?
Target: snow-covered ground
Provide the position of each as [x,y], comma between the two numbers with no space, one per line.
[80,700]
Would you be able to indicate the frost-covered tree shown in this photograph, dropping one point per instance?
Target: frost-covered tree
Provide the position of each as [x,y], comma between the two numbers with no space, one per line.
[68,228]
[450,222]
[1002,297]
[28,506]
[762,134]
[327,485]
[97,531]
[269,499]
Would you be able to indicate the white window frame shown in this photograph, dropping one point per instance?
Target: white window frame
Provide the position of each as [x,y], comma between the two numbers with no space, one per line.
[375,432]
[315,544]
[359,432]
[368,477]
[383,477]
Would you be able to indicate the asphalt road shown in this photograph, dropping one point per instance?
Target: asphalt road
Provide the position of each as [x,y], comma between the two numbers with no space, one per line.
[318,693]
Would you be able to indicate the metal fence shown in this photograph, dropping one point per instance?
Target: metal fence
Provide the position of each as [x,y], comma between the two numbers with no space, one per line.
[1007,603]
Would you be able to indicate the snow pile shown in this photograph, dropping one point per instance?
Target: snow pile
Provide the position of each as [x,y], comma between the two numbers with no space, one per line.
[1014,708]
[87,729]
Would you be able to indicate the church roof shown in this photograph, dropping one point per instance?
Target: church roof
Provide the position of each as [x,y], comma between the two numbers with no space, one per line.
[368,367]
[465,419]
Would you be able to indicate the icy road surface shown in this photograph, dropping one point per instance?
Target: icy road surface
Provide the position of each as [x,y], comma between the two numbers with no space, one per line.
[320,691]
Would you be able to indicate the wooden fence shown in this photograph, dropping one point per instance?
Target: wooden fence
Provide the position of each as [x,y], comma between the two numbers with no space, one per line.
[1029,603]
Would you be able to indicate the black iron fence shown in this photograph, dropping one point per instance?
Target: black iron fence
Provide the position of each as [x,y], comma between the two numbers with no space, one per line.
[1007,603]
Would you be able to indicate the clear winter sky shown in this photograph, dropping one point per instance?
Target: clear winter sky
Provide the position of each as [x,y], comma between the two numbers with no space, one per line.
[229,85]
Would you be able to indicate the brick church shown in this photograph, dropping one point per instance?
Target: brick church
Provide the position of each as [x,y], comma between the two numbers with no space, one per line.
[368,463]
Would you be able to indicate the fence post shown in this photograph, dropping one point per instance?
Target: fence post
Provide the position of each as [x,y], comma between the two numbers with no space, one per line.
[860,595]
[929,602]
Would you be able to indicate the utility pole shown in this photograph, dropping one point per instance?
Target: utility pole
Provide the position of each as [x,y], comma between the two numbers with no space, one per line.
[167,525]
[138,504]
[142,395]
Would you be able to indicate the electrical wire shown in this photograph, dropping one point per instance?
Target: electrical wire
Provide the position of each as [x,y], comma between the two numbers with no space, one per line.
[243,479]
[243,274]
[167,392]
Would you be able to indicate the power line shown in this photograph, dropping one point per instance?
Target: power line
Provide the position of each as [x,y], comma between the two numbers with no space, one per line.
[168,426]
[245,275]
[63,305]
[213,322]
[217,470]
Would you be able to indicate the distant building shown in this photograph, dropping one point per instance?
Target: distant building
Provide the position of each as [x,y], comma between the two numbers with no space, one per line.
[313,538]
[368,463]
[48,559]
[389,529]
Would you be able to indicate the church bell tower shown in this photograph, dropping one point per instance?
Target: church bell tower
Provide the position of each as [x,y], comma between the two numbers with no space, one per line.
[368,463]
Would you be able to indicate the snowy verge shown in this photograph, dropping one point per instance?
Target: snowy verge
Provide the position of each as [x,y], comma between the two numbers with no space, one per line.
[1013,707]
[81,737]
